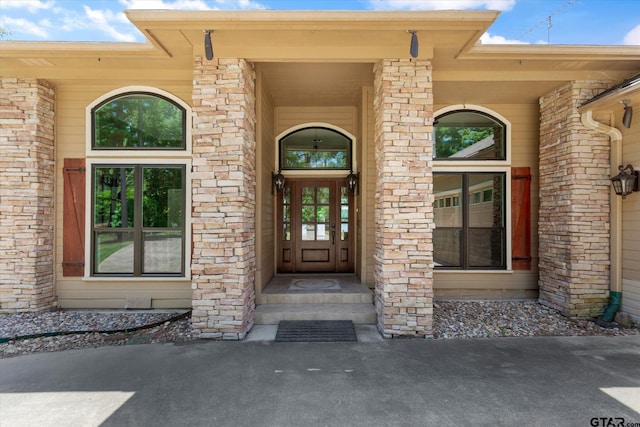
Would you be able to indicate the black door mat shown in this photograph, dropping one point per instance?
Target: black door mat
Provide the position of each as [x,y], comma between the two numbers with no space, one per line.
[316,331]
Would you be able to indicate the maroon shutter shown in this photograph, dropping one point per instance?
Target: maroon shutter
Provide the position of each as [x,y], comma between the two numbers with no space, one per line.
[521,218]
[73,218]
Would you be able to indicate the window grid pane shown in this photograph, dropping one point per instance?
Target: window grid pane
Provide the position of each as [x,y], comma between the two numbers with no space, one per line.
[286,213]
[315,214]
[471,235]
[114,252]
[138,220]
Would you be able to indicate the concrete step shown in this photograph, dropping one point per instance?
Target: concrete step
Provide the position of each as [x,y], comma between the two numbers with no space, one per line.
[272,314]
[365,296]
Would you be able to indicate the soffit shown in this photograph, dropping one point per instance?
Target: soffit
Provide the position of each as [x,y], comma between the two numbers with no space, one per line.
[309,36]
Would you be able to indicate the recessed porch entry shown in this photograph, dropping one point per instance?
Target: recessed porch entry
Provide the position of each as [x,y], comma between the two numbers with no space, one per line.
[315,226]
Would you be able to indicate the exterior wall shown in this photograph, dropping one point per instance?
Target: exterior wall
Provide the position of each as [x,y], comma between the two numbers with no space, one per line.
[368,189]
[72,98]
[265,238]
[27,115]
[404,197]
[224,198]
[574,211]
[344,117]
[631,226]
[453,285]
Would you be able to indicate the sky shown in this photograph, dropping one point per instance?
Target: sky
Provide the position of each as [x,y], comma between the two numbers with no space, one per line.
[577,22]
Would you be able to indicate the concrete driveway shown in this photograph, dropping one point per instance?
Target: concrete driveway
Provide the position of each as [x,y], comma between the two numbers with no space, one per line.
[567,381]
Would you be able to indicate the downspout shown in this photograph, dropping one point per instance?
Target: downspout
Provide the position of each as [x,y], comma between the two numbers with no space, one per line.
[615,274]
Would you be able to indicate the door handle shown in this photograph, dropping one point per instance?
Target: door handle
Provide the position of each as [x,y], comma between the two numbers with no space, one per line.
[333,237]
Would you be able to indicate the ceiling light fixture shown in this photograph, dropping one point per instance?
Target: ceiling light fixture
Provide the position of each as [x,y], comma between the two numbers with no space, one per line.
[208,47]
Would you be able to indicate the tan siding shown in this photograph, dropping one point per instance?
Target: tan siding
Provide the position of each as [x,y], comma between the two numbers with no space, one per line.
[360,210]
[631,298]
[344,117]
[72,100]
[631,228]
[370,190]
[467,285]
[266,158]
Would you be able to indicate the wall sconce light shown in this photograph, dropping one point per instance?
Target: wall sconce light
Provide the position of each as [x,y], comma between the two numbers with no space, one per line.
[208,47]
[352,181]
[628,113]
[277,179]
[626,182]
[413,48]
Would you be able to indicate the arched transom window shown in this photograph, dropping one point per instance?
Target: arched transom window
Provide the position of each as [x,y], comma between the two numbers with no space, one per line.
[315,148]
[469,135]
[138,121]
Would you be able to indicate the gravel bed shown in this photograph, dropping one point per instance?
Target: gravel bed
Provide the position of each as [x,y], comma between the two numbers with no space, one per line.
[491,319]
[452,319]
[109,324]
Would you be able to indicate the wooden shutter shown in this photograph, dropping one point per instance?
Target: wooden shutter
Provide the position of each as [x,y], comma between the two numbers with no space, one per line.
[73,218]
[521,218]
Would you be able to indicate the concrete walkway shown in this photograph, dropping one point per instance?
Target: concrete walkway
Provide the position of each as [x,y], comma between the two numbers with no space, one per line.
[507,381]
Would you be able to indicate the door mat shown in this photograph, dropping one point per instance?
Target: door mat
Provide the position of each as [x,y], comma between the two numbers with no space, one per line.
[314,285]
[316,331]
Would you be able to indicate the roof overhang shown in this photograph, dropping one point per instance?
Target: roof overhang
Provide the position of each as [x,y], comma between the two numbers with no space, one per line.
[312,36]
[611,99]
[319,40]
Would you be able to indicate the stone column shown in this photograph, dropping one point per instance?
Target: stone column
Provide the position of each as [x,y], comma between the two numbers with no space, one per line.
[27,171]
[403,106]
[574,204]
[224,198]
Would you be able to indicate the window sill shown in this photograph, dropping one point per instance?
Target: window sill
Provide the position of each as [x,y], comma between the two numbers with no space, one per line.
[136,279]
[473,271]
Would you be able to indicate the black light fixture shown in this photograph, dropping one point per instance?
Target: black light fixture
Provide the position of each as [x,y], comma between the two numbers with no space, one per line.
[413,49]
[626,182]
[208,47]
[277,179]
[628,113]
[352,181]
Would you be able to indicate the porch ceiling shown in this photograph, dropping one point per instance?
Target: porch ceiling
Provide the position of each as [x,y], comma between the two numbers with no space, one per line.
[316,84]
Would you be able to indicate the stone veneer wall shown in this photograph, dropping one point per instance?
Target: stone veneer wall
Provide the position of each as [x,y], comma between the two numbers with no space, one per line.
[27,174]
[224,198]
[403,106]
[574,204]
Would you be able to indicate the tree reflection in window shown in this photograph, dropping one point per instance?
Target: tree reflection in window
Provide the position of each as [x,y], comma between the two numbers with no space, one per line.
[138,121]
[315,148]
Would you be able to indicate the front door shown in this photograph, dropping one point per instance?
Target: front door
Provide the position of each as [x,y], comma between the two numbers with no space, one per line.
[315,229]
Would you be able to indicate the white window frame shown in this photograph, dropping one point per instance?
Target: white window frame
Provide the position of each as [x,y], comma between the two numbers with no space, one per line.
[473,166]
[137,157]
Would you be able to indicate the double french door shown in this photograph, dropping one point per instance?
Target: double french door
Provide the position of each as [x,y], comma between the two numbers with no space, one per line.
[315,226]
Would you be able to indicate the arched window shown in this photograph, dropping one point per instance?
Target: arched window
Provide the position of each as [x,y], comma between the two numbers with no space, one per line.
[470,200]
[469,135]
[139,198]
[138,121]
[315,148]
